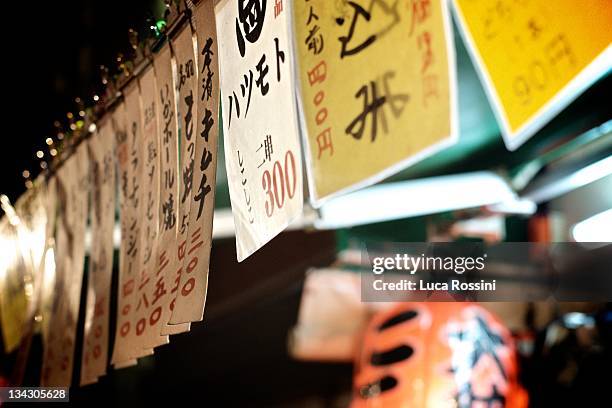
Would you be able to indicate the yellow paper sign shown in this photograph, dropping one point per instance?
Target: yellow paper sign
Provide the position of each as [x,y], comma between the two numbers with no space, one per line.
[378,91]
[536,56]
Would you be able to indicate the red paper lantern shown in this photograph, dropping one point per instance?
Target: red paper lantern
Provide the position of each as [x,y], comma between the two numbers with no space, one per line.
[437,355]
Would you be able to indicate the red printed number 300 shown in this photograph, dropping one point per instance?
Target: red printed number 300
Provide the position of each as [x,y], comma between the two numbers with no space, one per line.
[282,180]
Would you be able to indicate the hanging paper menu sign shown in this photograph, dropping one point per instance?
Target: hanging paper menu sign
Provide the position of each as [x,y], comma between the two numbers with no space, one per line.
[129,166]
[262,149]
[535,57]
[48,267]
[76,218]
[102,224]
[166,260]
[136,200]
[52,363]
[378,89]
[167,265]
[191,295]
[186,83]
[73,185]
[48,290]
[148,307]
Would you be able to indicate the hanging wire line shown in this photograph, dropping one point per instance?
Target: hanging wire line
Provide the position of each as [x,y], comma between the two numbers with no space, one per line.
[176,17]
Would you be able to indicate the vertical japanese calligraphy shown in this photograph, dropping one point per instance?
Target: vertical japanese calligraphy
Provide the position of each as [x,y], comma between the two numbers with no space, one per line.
[167,263]
[185,81]
[73,188]
[262,149]
[378,91]
[102,223]
[191,295]
[147,312]
[127,139]
[535,56]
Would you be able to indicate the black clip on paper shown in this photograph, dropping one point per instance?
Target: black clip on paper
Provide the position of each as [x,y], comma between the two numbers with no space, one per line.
[177,13]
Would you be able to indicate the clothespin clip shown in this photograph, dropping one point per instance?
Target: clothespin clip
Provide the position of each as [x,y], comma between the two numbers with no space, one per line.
[77,122]
[52,147]
[98,107]
[27,178]
[68,140]
[110,93]
[60,136]
[125,68]
[40,155]
[141,51]
[55,146]
[137,50]
[59,130]
[68,135]
[175,15]
[82,115]
[71,122]
[85,120]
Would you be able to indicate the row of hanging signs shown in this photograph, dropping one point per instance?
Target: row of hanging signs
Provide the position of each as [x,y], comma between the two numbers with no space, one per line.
[356,89]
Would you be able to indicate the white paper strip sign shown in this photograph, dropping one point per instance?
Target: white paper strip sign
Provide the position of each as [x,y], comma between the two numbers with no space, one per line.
[191,296]
[147,336]
[187,82]
[122,147]
[54,286]
[73,184]
[48,280]
[150,215]
[139,244]
[126,120]
[77,218]
[161,297]
[102,223]
[262,149]
[138,201]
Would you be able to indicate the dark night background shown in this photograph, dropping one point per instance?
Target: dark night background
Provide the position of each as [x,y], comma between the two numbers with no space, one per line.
[237,356]
[53,54]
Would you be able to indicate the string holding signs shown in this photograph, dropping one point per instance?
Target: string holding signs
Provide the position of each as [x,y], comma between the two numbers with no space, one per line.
[262,148]
[378,88]
[535,56]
